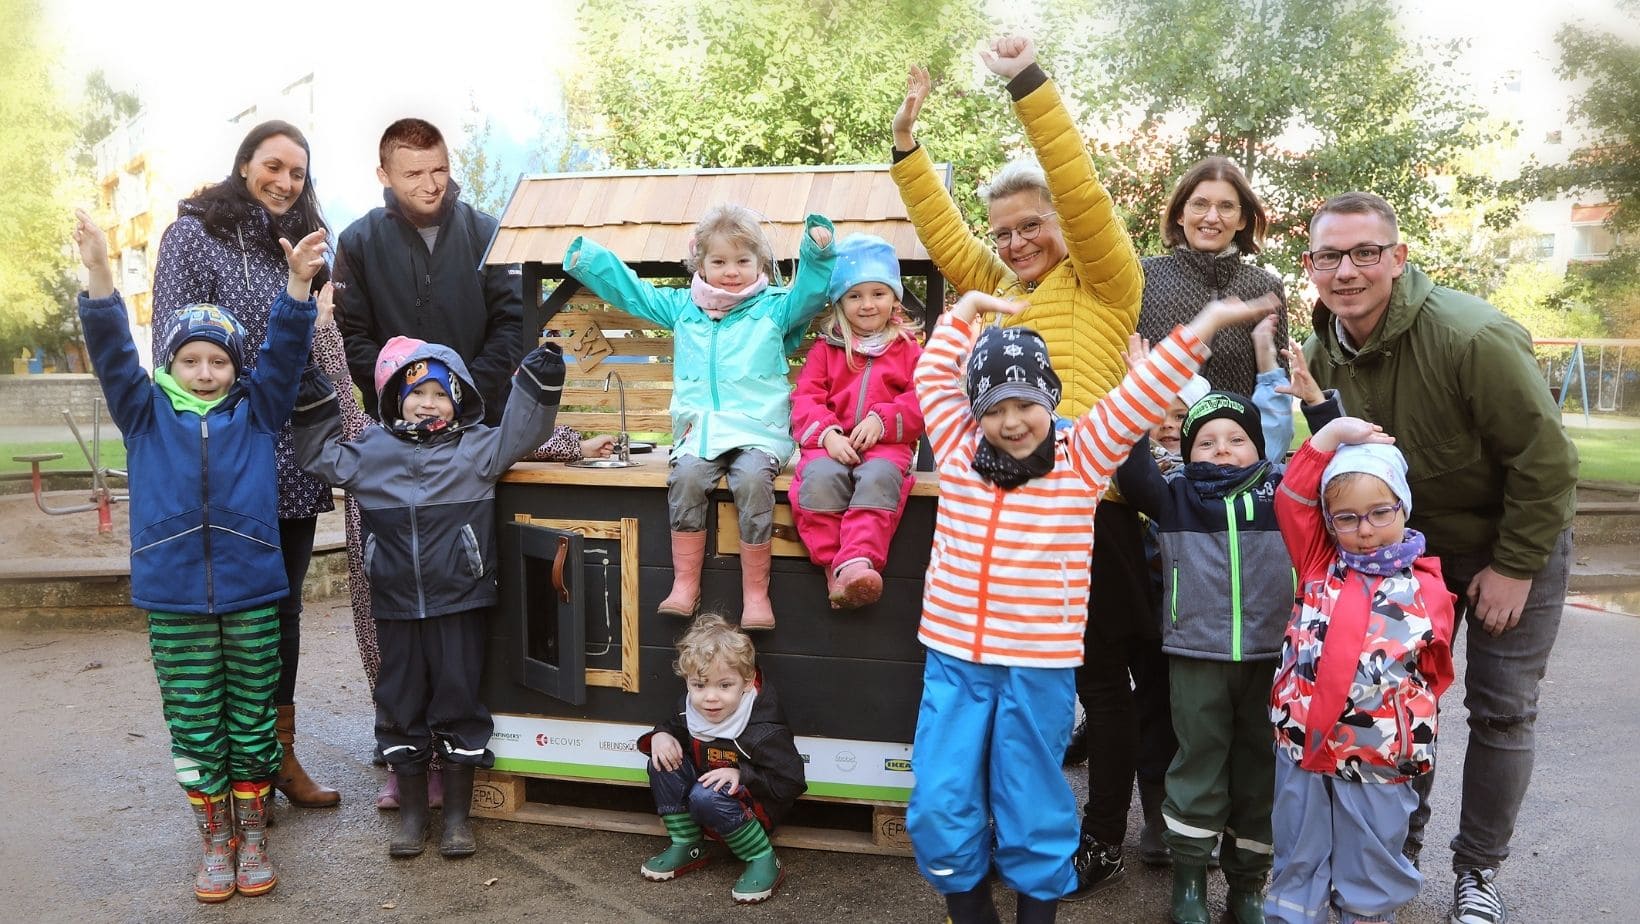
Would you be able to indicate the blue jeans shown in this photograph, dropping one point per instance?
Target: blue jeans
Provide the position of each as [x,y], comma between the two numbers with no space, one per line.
[1501,693]
[679,792]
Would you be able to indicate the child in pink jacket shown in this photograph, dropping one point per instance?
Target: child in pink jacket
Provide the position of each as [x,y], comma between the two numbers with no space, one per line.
[856,421]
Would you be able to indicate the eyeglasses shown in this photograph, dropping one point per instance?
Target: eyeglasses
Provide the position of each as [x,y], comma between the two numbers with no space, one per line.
[1027,230]
[1377,516]
[1201,206]
[1360,255]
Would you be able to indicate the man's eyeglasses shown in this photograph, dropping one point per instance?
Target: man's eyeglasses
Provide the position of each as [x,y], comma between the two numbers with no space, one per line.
[1226,208]
[1027,230]
[1377,516]
[1360,255]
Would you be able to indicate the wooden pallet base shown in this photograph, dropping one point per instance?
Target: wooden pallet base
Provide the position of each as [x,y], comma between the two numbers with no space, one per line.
[875,829]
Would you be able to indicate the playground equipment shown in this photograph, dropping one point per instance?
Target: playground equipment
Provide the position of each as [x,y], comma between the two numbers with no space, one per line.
[102,497]
[1608,381]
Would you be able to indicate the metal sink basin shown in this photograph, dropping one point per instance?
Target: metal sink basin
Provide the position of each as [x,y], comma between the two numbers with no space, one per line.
[600,463]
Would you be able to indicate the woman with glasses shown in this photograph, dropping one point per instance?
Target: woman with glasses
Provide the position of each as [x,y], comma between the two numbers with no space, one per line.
[1055,240]
[1212,223]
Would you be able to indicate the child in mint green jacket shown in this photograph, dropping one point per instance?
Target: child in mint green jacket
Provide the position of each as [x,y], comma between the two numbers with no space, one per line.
[731,400]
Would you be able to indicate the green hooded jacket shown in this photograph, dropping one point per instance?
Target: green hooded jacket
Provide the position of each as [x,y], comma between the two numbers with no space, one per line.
[1454,381]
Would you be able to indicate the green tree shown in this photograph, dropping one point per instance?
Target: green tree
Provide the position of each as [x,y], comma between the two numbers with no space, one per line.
[1606,166]
[483,183]
[1310,97]
[105,109]
[733,83]
[35,147]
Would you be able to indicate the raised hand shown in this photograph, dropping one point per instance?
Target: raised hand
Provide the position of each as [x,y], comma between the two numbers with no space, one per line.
[327,305]
[1009,55]
[93,246]
[1231,312]
[305,259]
[821,236]
[975,301]
[1137,349]
[1303,386]
[917,86]
[1264,343]
[1348,431]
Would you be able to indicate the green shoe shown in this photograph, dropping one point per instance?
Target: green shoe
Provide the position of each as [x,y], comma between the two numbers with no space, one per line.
[1245,906]
[763,875]
[674,861]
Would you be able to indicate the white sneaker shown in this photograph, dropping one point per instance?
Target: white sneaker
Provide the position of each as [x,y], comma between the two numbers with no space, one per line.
[1476,900]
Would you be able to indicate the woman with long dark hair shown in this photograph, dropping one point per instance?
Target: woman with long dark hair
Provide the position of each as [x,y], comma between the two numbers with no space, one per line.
[223,249]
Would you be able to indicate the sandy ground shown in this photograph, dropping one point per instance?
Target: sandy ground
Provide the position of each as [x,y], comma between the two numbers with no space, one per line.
[92,828]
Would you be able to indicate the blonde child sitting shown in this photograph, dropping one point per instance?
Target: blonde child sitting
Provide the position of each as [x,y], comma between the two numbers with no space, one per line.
[731,402]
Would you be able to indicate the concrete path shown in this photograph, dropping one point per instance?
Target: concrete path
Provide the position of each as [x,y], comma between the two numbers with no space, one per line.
[95,830]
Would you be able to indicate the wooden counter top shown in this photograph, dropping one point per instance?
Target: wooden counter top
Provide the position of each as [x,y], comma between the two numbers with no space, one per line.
[650,472]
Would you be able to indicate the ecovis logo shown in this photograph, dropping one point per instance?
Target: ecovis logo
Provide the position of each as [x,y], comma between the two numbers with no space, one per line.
[898,764]
[559,741]
[846,761]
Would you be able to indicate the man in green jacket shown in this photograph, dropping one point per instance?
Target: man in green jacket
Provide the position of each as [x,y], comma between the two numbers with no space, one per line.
[1493,479]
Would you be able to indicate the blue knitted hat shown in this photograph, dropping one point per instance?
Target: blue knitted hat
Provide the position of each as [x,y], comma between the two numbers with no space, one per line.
[422,370]
[211,324]
[865,258]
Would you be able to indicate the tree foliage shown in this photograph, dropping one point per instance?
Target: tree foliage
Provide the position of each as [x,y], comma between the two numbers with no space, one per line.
[483,181]
[1310,97]
[731,83]
[35,147]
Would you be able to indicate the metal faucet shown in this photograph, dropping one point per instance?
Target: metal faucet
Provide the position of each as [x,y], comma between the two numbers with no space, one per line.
[623,442]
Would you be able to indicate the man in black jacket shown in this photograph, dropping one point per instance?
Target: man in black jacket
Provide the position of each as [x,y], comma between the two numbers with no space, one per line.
[414,268]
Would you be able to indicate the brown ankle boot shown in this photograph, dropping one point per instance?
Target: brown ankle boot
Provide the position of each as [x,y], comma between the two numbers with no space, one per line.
[688,555]
[291,779]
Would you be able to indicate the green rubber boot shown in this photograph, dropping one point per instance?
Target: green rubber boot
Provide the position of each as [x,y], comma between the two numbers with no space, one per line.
[763,871]
[674,861]
[1189,893]
[1245,904]
[763,875]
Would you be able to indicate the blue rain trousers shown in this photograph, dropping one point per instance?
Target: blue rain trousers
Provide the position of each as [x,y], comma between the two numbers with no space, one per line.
[1338,844]
[988,748]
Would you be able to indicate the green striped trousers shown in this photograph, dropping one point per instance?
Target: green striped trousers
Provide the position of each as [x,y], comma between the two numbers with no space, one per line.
[217,676]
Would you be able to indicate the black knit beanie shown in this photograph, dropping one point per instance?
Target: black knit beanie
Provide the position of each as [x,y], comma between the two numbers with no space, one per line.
[1011,362]
[1222,404]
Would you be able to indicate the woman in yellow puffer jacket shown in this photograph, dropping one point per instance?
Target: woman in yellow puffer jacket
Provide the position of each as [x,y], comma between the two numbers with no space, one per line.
[1059,244]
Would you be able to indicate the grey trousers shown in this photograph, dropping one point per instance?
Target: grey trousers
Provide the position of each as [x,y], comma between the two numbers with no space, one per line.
[1501,693]
[691,480]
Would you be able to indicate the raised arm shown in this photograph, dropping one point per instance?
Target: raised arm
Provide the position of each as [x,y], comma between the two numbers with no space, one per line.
[594,266]
[969,262]
[532,409]
[108,333]
[939,378]
[807,296]
[1106,265]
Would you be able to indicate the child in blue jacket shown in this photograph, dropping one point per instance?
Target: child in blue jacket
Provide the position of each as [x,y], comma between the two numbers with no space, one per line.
[205,560]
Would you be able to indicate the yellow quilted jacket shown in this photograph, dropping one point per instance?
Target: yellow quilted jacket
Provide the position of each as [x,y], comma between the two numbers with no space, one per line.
[1085,307]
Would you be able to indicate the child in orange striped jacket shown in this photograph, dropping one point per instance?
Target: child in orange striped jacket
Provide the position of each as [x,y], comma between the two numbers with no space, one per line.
[1006,595]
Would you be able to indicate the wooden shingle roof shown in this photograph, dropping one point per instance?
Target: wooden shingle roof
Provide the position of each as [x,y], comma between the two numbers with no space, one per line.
[648,216]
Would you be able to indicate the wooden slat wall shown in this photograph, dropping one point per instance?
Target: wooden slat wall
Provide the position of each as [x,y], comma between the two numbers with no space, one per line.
[591,409]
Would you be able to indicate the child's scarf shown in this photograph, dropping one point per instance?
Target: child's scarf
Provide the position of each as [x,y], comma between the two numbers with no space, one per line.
[716,302]
[1215,481]
[731,726]
[1007,472]
[1388,559]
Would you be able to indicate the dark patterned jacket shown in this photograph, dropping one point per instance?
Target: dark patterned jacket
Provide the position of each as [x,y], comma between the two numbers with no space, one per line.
[244,275]
[1179,284]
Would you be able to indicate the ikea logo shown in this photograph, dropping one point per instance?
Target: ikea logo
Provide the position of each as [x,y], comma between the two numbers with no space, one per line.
[897,763]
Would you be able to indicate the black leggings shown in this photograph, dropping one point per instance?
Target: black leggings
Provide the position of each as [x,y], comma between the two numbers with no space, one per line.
[296,545]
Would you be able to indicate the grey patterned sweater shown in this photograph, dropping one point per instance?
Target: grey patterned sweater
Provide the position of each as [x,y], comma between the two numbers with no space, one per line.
[1179,284]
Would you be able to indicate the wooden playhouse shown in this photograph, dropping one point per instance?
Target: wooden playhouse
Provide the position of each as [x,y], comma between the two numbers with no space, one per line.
[580,663]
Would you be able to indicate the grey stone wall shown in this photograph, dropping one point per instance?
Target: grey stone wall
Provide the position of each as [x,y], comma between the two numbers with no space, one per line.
[31,400]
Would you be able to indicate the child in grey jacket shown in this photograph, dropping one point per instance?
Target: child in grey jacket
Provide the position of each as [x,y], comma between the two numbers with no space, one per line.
[425,483]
